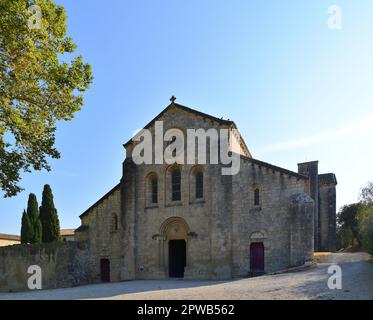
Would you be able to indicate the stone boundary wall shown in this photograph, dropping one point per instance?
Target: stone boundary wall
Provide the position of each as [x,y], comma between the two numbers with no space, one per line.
[62,265]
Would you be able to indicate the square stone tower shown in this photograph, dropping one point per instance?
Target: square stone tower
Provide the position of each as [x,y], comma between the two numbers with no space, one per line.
[323,192]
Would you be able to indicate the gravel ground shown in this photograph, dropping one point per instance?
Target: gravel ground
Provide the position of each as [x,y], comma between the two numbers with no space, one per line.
[357,283]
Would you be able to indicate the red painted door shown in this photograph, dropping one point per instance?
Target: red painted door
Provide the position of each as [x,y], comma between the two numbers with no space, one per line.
[257,257]
[105,270]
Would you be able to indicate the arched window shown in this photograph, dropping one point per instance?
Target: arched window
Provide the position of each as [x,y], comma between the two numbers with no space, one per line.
[171,141]
[176,184]
[173,151]
[199,185]
[257,197]
[151,190]
[154,191]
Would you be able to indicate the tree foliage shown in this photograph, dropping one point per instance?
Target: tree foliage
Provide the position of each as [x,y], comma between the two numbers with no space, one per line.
[366,193]
[365,223]
[33,215]
[49,217]
[347,220]
[344,238]
[36,88]
[26,229]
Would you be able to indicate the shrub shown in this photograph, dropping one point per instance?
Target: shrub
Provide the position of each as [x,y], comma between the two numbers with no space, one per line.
[365,223]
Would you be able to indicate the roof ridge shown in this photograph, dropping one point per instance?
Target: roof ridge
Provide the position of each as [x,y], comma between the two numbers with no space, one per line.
[99,200]
[277,168]
[203,114]
[188,109]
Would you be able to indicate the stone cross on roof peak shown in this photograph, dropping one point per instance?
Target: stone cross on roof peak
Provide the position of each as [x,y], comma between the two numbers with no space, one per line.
[173,98]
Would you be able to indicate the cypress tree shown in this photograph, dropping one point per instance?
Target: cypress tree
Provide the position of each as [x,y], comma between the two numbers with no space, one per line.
[38,231]
[26,228]
[49,217]
[33,215]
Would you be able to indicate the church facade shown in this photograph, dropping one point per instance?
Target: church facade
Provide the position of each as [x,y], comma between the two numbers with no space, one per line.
[190,221]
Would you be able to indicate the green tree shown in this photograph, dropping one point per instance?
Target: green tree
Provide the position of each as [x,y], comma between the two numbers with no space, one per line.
[344,238]
[366,193]
[49,217]
[347,220]
[36,88]
[33,215]
[26,229]
[365,222]
[38,231]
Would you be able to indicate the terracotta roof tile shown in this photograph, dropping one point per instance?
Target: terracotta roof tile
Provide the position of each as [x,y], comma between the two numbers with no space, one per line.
[67,232]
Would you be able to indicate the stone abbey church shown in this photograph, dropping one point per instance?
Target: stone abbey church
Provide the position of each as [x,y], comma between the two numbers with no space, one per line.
[192,222]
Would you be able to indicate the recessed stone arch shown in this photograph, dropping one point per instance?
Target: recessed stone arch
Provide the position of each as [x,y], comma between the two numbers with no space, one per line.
[175,138]
[258,248]
[195,171]
[257,194]
[258,235]
[151,189]
[173,166]
[174,247]
[174,228]
[168,183]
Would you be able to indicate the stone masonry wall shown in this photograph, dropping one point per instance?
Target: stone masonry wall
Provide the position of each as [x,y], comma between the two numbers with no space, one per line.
[222,222]
[279,226]
[5,242]
[218,229]
[145,254]
[62,265]
[104,239]
[310,169]
[327,214]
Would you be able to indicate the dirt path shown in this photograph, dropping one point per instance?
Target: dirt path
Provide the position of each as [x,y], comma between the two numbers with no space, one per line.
[357,283]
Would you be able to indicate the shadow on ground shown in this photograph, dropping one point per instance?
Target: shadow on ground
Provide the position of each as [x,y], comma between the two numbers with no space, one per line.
[357,283]
[107,290]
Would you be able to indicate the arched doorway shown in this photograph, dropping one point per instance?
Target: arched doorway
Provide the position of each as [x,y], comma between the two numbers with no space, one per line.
[256,258]
[176,258]
[175,231]
[105,270]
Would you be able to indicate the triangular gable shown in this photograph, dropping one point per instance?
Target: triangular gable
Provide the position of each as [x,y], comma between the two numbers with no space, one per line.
[173,105]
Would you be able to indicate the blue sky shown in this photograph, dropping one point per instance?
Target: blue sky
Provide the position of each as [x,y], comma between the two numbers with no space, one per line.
[297,90]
